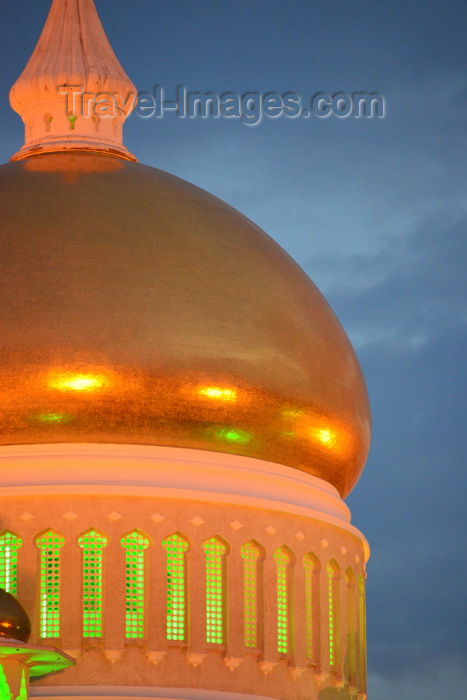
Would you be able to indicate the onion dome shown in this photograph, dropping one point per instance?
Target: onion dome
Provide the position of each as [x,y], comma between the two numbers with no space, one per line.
[73,91]
[139,309]
[14,621]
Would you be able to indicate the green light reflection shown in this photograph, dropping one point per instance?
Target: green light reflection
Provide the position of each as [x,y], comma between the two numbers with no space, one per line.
[234,435]
[292,412]
[52,418]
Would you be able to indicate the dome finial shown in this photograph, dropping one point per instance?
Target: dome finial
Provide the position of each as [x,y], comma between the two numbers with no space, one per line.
[73,93]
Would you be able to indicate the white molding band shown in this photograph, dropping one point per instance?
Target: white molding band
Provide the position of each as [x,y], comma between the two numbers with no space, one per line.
[170,472]
[93,692]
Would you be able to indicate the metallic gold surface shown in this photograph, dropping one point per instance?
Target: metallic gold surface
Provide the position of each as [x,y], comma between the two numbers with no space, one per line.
[14,621]
[137,308]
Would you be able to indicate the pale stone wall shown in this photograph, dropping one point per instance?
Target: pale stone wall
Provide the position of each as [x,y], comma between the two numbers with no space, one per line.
[155,663]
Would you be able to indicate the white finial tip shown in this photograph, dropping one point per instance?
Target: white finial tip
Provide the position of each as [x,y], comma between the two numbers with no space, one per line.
[73,93]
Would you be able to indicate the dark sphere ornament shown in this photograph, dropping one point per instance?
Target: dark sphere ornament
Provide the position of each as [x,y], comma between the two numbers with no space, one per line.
[14,621]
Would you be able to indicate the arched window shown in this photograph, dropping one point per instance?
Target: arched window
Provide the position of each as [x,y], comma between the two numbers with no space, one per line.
[283,560]
[312,569]
[134,545]
[215,551]
[361,634]
[92,543]
[176,619]
[9,545]
[351,627]
[333,573]
[49,544]
[251,556]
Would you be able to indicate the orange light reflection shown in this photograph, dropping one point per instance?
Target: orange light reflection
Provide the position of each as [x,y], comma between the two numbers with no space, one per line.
[83,382]
[325,436]
[219,393]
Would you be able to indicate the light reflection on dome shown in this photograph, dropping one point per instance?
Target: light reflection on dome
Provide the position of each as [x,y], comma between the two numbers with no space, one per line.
[216,392]
[292,412]
[308,427]
[51,418]
[234,435]
[69,381]
[326,436]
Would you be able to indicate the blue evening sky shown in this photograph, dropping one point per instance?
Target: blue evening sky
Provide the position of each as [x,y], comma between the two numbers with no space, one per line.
[374,211]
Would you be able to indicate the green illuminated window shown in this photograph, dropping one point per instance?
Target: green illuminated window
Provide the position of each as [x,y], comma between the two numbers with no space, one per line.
[92,544]
[311,617]
[9,545]
[333,613]
[134,544]
[283,559]
[351,626]
[361,633]
[49,544]
[331,632]
[215,590]
[309,605]
[250,554]
[176,620]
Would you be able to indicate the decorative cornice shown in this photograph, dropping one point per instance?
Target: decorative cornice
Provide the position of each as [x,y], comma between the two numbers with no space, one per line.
[171,472]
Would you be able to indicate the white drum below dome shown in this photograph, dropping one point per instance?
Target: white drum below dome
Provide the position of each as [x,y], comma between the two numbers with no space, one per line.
[264,569]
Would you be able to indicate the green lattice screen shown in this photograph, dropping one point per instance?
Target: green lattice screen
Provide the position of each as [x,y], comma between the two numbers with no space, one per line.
[333,613]
[9,545]
[49,544]
[215,590]
[176,616]
[351,653]
[282,558]
[134,544]
[250,554]
[92,544]
[311,567]
[361,633]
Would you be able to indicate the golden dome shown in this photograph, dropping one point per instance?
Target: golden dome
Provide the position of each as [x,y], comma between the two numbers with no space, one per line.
[137,308]
[14,621]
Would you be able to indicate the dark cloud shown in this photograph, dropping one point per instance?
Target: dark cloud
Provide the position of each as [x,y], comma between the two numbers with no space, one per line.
[411,290]
[410,322]
[439,677]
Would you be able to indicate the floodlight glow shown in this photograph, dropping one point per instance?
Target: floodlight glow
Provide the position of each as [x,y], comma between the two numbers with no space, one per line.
[326,436]
[217,392]
[70,381]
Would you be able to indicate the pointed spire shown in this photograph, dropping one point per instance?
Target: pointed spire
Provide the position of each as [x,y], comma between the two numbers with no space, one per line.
[73,93]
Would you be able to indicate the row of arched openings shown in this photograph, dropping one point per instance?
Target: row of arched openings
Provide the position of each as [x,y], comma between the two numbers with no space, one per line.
[135,544]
